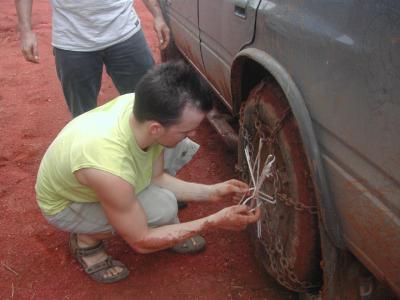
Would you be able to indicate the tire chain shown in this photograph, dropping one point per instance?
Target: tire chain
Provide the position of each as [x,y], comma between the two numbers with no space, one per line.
[280,264]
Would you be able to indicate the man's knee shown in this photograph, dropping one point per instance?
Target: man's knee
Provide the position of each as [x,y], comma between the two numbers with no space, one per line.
[160,206]
[167,214]
[176,158]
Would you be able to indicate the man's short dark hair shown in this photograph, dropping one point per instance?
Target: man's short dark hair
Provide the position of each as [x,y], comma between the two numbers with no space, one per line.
[164,91]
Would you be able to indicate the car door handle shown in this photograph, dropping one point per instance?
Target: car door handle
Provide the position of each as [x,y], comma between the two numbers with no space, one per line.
[240,8]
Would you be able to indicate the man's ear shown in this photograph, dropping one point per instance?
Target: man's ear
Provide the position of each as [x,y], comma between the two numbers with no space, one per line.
[155,128]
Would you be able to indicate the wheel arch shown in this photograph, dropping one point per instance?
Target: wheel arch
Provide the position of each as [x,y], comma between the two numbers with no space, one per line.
[254,65]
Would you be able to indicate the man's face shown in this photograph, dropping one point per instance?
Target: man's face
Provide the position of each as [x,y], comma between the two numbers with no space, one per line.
[190,120]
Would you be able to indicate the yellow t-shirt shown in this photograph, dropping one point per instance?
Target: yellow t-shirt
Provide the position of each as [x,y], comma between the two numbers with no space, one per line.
[101,139]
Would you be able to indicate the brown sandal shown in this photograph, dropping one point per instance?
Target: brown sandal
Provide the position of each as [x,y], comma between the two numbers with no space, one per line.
[191,245]
[98,270]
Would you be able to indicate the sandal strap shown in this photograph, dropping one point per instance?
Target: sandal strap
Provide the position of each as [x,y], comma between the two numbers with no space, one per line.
[87,251]
[108,263]
[98,270]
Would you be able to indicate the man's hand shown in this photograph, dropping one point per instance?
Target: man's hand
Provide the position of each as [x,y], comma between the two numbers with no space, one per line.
[160,27]
[162,30]
[29,46]
[231,188]
[235,217]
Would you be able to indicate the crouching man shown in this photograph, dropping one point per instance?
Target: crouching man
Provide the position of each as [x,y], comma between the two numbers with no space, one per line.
[105,174]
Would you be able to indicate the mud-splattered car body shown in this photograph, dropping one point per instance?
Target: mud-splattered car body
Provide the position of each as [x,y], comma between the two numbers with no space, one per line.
[338,65]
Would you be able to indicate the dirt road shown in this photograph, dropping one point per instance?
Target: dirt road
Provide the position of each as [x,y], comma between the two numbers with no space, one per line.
[34,259]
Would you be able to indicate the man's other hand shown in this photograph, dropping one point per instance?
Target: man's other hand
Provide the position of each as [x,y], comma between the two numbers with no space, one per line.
[29,46]
[235,217]
[162,30]
[231,188]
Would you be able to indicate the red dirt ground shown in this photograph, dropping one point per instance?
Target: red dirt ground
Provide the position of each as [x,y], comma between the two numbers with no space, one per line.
[34,259]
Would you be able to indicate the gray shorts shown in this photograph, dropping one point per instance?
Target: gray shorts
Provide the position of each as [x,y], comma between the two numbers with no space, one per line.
[160,205]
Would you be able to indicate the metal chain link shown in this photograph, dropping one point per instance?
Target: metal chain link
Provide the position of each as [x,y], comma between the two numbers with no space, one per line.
[271,141]
[280,263]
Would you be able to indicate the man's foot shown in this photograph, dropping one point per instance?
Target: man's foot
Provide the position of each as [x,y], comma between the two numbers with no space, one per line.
[191,245]
[96,262]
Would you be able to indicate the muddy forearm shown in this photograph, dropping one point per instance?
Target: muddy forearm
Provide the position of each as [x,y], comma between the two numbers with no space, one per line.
[24,11]
[235,217]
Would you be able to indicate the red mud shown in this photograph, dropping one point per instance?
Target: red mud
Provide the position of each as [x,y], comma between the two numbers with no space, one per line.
[34,259]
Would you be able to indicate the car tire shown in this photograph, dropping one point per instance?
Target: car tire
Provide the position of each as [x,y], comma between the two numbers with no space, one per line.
[289,247]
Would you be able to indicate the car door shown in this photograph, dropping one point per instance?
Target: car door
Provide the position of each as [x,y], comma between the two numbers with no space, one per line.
[183,22]
[226,26]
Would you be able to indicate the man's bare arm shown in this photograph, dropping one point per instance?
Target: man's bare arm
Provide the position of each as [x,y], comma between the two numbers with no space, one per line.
[160,26]
[186,191]
[29,46]
[127,216]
